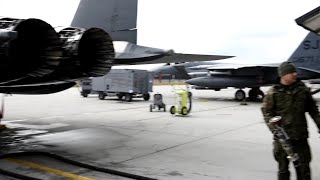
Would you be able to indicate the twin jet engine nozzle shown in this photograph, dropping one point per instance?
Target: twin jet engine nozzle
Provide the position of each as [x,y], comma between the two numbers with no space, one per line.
[32,48]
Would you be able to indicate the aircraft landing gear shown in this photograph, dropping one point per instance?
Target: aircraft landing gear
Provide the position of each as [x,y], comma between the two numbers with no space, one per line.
[255,94]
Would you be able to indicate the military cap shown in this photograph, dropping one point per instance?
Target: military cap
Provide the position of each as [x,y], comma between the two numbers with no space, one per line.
[286,68]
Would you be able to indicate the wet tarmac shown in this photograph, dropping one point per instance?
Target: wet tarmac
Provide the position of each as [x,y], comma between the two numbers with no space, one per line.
[219,140]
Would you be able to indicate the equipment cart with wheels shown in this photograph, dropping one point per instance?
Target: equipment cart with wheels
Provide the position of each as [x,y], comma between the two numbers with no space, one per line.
[183,102]
[122,83]
[158,102]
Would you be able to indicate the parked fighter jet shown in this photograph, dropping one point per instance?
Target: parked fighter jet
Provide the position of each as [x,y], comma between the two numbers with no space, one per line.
[182,71]
[306,57]
[36,59]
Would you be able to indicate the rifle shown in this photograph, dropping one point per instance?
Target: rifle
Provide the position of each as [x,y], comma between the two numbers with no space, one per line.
[284,140]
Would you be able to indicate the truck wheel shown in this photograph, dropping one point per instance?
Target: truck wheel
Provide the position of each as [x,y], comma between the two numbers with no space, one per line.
[164,108]
[101,96]
[146,97]
[84,94]
[120,96]
[173,110]
[151,107]
[128,98]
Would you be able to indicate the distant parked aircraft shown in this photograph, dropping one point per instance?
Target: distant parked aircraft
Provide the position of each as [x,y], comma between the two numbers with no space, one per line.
[182,71]
[306,57]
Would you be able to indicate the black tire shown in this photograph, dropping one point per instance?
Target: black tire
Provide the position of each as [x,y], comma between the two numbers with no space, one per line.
[240,95]
[253,95]
[84,94]
[146,97]
[128,97]
[184,111]
[120,96]
[173,110]
[101,96]
[151,107]
[164,108]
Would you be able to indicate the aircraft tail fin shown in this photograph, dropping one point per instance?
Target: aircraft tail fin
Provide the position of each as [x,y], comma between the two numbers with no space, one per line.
[307,55]
[183,74]
[117,17]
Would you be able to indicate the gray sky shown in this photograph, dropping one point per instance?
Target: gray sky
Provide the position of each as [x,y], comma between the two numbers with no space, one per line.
[253,30]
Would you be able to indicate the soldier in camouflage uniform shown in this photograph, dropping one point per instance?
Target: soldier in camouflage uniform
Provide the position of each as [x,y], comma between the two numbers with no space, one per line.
[291,99]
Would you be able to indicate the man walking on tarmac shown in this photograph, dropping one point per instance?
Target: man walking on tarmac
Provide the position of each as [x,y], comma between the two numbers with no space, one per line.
[291,99]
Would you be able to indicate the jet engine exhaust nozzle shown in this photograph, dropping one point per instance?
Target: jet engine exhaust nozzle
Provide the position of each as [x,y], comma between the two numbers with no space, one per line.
[91,50]
[29,47]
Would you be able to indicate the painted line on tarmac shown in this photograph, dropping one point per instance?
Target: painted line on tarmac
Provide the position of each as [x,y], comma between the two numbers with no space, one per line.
[47,169]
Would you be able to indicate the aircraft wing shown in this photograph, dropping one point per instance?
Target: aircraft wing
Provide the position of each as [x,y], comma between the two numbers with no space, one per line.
[241,70]
[307,73]
[240,66]
[310,70]
[228,66]
[131,54]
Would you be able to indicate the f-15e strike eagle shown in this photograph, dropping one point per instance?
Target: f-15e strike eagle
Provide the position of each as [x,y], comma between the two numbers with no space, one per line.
[36,59]
[306,58]
[218,75]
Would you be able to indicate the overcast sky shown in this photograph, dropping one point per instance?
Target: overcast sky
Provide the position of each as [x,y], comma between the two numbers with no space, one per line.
[255,31]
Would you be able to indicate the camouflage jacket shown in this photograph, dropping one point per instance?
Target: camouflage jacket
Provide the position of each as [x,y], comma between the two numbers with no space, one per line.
[291,102]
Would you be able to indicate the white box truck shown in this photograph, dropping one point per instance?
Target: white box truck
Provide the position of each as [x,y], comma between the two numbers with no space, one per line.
[123,83]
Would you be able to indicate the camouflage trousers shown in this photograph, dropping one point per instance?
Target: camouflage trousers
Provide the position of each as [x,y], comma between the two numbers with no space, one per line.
[302,148]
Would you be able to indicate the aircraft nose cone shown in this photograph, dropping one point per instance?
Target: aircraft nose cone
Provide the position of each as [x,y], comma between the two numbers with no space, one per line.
[194,81]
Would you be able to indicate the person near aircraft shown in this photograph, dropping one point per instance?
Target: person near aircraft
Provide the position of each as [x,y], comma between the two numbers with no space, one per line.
[253,76]
[291,99]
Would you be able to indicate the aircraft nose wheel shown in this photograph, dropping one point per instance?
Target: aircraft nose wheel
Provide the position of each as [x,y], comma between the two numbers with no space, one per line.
[240,95]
